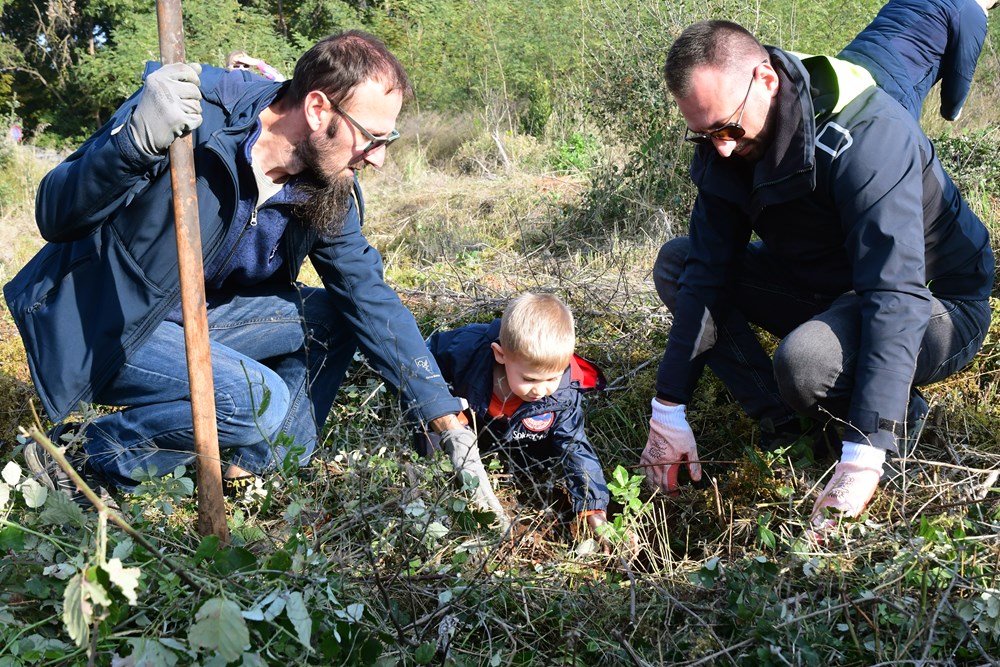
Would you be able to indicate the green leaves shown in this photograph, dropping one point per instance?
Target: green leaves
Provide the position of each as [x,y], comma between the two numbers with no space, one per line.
[764,533]
[87,598]
[708,574]
[34,494]
[11,538]
[219,629]
[626,488]
[298,615]
[151,653]
[82,593]
[60,510]
[125,578]
[424,653]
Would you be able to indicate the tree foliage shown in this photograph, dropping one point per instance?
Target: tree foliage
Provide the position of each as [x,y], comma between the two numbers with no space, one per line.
[71,62]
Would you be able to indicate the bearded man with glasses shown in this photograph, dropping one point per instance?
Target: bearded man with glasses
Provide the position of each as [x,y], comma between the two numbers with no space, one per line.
[99,306]
[868,265]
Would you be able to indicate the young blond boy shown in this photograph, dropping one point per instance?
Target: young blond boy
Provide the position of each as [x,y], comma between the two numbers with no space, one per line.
[523,384]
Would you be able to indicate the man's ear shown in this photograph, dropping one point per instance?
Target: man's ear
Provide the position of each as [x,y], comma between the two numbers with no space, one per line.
[497,352]
[317,109]
[770,78]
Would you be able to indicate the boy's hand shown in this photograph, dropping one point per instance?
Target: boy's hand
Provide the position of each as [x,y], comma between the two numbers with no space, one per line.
[460,446]
[671,444]
[598,519]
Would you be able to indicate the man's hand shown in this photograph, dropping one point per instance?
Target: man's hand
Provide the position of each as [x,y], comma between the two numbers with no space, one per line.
[460,445]
[447,422]
[670,445]
[169,105]
[855,479]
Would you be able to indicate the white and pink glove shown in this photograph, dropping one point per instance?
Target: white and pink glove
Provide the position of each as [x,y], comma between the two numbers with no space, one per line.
[670,445]
[855,479]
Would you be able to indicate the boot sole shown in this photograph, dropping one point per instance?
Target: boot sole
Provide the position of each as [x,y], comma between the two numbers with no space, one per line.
[37,459]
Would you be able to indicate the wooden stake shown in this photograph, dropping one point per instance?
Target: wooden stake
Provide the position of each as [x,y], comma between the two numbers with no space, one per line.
[211,509]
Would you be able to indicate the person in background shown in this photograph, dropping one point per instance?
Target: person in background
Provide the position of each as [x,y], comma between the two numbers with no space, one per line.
[242,60]
[874,273]
[913,44]
[524,386]
[99,310]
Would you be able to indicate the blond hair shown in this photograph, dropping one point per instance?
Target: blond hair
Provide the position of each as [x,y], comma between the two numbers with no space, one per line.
[538,328]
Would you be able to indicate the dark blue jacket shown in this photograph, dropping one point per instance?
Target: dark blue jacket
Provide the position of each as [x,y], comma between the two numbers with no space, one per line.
[848,196]
[109,275]
[550,429]
[912,44]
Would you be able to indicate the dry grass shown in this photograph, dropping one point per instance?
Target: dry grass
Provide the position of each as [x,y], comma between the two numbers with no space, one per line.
[20,171]
[725,568]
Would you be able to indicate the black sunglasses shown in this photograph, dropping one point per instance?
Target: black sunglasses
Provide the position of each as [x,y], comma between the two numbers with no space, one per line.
[729,131]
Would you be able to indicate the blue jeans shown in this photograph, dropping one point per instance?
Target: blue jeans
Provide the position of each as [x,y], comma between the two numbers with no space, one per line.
[817,356]
[278,358]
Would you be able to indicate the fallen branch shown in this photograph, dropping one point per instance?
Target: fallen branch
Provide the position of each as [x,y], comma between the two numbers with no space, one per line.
[36,434]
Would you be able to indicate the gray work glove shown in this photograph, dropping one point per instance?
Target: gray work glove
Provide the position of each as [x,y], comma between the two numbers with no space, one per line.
[169,105]
[460,445]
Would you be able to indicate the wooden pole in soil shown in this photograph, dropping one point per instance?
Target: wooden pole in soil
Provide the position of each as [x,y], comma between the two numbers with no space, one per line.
[211,509]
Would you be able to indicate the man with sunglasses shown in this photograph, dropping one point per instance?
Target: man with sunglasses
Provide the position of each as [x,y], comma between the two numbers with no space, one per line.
[99,306]
[867,263]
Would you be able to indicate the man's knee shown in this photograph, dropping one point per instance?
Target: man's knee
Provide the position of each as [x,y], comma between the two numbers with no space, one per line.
[251,408]
[668,268]
[806,364]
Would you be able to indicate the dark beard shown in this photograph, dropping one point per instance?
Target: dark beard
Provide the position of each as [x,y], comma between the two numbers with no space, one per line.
[324,201]
[323,206]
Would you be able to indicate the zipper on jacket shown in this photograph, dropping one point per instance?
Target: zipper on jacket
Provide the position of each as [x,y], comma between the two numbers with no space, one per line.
[239,239]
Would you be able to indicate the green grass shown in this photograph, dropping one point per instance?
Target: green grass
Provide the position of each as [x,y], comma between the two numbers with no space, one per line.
[373,556]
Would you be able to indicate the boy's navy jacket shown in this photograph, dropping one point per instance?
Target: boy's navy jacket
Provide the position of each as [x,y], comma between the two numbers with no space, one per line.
[553,425]
[109,275]
[912,44]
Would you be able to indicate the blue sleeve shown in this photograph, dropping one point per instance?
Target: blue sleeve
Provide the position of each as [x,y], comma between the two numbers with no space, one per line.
[95,181]
[965,41]
[387,334]
[880,203]
[719,234]
[584,476]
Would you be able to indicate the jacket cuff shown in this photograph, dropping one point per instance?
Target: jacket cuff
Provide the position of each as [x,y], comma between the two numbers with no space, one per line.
[672,398]
[883,439]
[428,412]
[121,137]
[584,505]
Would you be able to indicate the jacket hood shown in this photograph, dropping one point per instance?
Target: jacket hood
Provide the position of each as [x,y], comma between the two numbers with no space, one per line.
[239,93]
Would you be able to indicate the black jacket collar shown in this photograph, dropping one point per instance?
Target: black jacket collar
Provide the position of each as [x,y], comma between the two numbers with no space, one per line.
[787,170]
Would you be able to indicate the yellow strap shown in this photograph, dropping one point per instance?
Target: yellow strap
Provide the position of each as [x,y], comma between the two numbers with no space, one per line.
[852,80]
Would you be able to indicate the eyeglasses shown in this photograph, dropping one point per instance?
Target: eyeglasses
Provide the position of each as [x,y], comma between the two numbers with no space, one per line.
[374,143]
[729,131]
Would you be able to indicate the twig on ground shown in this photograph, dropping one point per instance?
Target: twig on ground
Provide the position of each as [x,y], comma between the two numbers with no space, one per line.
[36,434]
